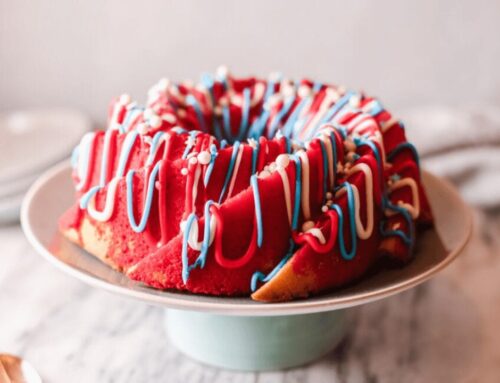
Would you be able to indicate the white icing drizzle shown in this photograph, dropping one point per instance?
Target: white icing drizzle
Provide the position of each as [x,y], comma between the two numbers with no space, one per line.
[329,154]
[193,233]
[286,190]
[316,232]
[196,180]
[363,232]
[386,125]
[235,170]
[107,211]
[414,209]
[82,169]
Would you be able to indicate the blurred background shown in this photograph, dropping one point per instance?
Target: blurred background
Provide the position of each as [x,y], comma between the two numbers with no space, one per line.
[82,53]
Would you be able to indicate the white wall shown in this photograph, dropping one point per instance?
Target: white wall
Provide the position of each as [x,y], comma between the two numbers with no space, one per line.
[60,52]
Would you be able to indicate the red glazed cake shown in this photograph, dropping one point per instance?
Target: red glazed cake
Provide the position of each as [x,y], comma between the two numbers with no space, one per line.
[274,188]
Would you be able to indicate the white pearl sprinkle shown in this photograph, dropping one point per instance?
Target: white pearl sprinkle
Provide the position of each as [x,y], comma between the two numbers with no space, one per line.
[282,161]
[222,71]
[349,145]
[148,113]
[308,225]
[354,101]
[142,128]
[204,158]
[329,195]
[184,171]
[124,99]
[155,121]
[193,160]
[181,113]
[264,174]
[304,91]
[169,117]
[324,208]
[163,84]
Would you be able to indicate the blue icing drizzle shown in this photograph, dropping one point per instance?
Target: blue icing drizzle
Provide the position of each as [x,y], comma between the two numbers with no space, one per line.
[208,81]
[255,155]
[234,154]
[84,201]
[335,108]
[258,212]
[290,122]
[261,277]
[210,167]
[358,141]
[191,100]
[128,117]
[200,260]
[270,89]
[298,190]
[325,166]
[138,228]
[317,86]
[192,134]
[376,109]
[259,124]
[283,111]
[245,112]
[352,224]
[125,153]
[154,147]
[402,146]
[333,142]
[408,239]
[226,122]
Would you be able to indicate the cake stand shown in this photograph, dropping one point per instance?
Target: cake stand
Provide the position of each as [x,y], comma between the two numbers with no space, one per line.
[238,333]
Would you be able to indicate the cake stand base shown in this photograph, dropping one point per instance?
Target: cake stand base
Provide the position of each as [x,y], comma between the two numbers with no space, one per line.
[255,343]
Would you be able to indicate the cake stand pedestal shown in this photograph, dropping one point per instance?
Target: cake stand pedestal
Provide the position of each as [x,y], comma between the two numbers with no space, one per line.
[255,343]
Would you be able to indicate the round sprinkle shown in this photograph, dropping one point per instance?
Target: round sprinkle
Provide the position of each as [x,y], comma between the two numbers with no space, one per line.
[169,117]
[308,225]
[125,99]
[350,145]
[148,113]
[304,91]
[184,171]
[155,121]
[157,185]
[142,128]
[282,161]
[329,195]
[163,84]
[193,160]
[204,158]
[264,174]
[324,208]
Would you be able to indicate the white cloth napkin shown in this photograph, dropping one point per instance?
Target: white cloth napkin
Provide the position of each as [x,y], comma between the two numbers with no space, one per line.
[462,145]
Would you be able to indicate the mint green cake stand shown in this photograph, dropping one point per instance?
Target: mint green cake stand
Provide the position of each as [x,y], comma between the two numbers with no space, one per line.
[238,333]
[255,343]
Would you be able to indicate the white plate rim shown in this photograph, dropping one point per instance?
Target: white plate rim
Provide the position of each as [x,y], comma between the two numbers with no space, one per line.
[217,305]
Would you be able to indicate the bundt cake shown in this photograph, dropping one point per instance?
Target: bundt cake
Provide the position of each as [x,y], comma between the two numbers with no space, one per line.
[272,188]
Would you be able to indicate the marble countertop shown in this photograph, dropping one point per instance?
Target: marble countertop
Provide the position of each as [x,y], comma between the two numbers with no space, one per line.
[446,330]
